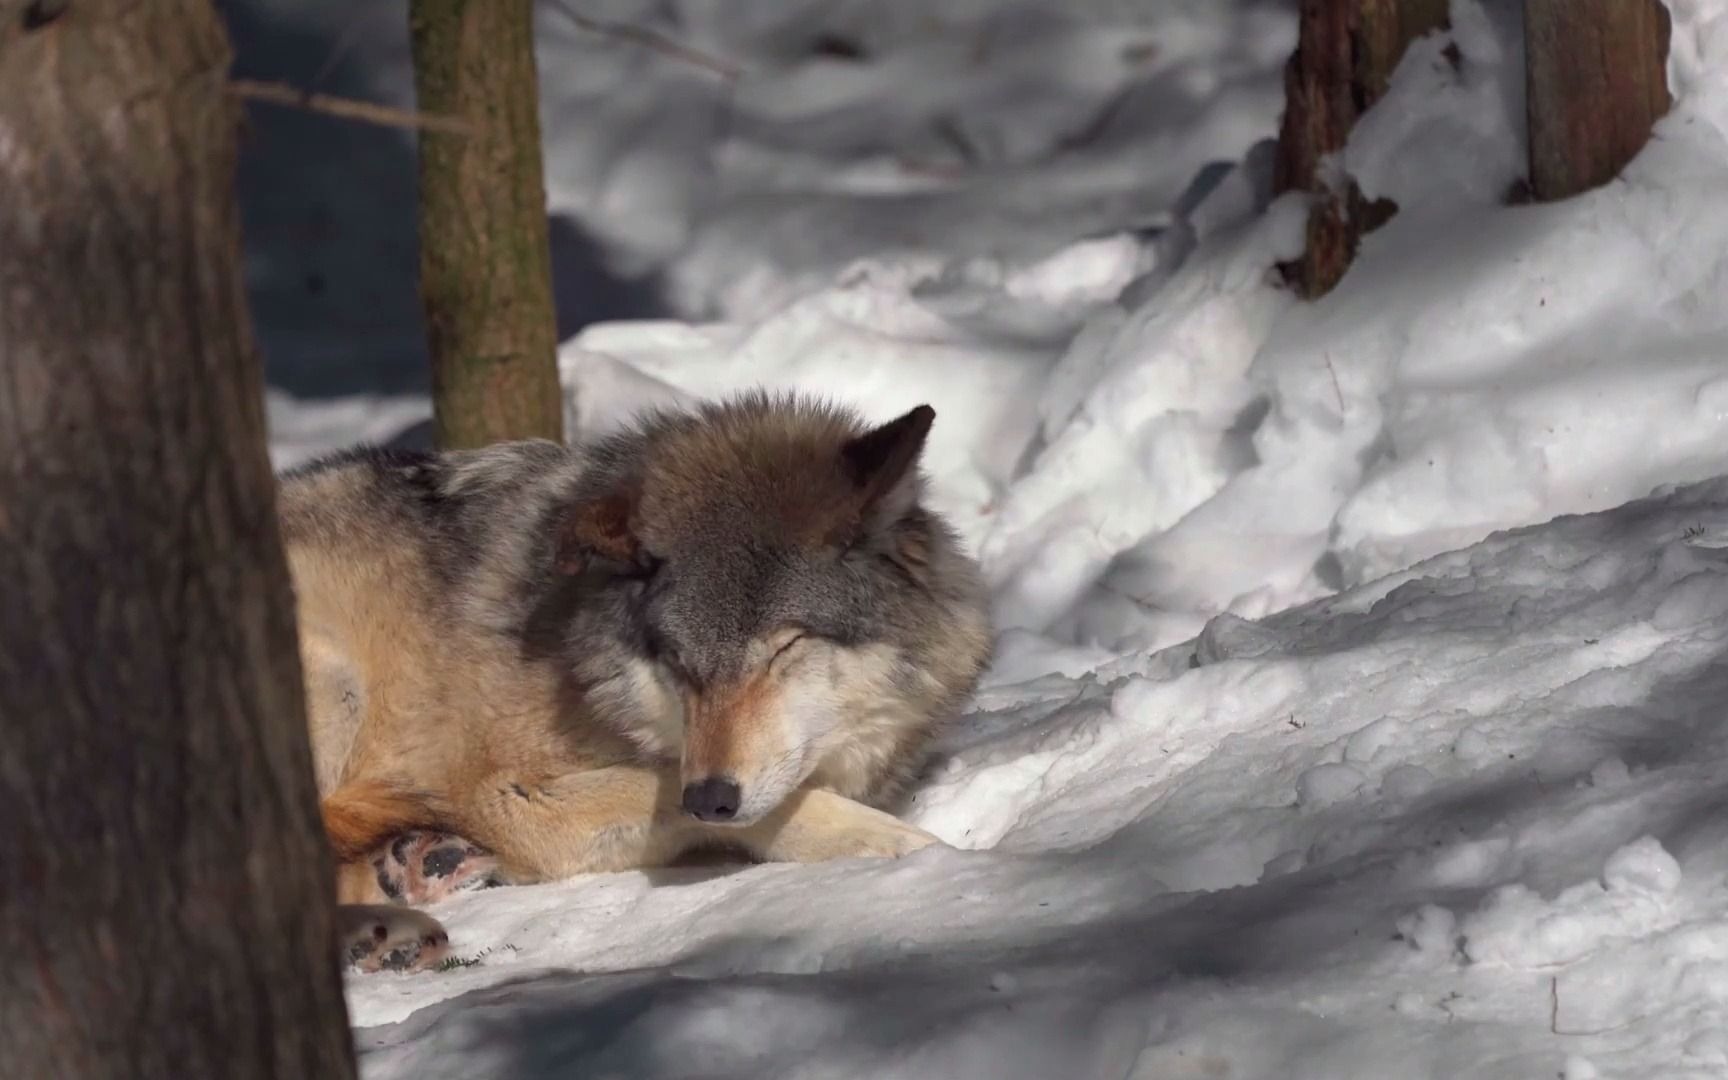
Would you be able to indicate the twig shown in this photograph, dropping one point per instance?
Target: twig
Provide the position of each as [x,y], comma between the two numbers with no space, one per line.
[1336,389]
[1554,1006]
[347,108]
[647,38]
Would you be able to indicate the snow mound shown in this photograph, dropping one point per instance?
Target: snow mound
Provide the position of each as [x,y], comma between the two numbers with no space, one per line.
[1383,840]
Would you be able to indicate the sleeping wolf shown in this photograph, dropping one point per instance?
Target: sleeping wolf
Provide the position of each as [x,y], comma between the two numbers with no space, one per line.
[734,625]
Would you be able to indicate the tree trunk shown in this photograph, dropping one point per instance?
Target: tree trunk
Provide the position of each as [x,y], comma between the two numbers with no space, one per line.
[1597,80]
[1345,55]
[167,898]
[485,267]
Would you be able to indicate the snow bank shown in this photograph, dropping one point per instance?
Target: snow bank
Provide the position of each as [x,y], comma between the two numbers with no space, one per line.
[1464,821]
[975,340]
[1480,366]
[1138,433]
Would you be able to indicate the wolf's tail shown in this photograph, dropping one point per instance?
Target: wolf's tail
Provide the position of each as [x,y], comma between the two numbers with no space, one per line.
[360,816]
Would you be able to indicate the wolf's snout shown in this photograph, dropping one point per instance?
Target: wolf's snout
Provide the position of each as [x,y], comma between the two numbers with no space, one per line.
[712,799]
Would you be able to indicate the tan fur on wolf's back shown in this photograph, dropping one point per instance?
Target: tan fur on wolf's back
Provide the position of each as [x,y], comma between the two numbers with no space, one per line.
[734,625]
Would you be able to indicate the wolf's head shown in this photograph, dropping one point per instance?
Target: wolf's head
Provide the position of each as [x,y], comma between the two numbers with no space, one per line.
[765,597]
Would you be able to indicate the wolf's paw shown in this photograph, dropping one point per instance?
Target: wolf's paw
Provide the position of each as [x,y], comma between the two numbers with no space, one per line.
[425,867]
[871,834]
[816,825]
[891,839]
[375,937]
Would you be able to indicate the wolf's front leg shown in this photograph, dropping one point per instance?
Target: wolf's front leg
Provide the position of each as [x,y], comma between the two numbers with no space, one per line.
[813,825]
[620,817]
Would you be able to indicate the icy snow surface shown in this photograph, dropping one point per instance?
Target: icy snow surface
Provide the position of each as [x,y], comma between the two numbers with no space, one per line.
[1294,761]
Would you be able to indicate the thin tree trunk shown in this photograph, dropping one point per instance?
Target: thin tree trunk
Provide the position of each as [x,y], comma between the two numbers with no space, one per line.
[485,266]
[1345,55]
[1597,80]
[165,894]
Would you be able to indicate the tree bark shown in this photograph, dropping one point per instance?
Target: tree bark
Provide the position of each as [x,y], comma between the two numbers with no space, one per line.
[485,266]
[165,894]
[1596,74]
[1345,55]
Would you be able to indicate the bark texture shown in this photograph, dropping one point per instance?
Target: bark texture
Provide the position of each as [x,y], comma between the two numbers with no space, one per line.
[485,266]
[1345,55]
[165,896]
[1597,80]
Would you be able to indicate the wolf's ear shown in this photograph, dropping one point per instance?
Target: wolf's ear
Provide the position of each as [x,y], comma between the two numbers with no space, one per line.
[883,464]
[596,528]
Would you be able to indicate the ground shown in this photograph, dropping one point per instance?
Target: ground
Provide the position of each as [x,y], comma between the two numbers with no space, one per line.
[1359,707]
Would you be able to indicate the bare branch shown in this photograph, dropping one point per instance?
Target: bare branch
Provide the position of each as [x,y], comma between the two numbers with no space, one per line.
[641,35]
[348,108]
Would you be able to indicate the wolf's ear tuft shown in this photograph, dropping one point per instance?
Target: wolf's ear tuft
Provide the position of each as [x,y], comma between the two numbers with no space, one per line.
[595,528]
[883,463]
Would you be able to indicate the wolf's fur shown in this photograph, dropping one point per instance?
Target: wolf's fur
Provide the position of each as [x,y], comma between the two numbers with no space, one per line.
[558,653]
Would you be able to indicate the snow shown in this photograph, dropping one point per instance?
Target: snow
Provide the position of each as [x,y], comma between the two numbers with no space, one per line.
[1139,876]
[1359,706]
[301,430]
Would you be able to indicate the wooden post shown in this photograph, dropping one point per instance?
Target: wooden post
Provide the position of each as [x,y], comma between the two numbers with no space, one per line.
[1345,55]
[485,264]
[1597,80]
[165,892]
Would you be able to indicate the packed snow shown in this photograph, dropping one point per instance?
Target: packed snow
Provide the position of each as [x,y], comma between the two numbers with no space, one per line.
[1361,700]
[1466,820]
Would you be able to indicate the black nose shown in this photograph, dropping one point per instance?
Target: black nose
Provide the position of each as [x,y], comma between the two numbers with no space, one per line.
[712,799]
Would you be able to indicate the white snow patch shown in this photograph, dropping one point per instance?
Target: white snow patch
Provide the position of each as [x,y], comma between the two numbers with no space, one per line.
[302,430]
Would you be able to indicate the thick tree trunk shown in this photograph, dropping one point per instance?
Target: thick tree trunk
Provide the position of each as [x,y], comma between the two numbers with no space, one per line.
[1345,54]
[485,267]
[1597,80]
[165,895]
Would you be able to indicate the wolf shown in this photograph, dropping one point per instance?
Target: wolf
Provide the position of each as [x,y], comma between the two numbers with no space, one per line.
[735,625]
